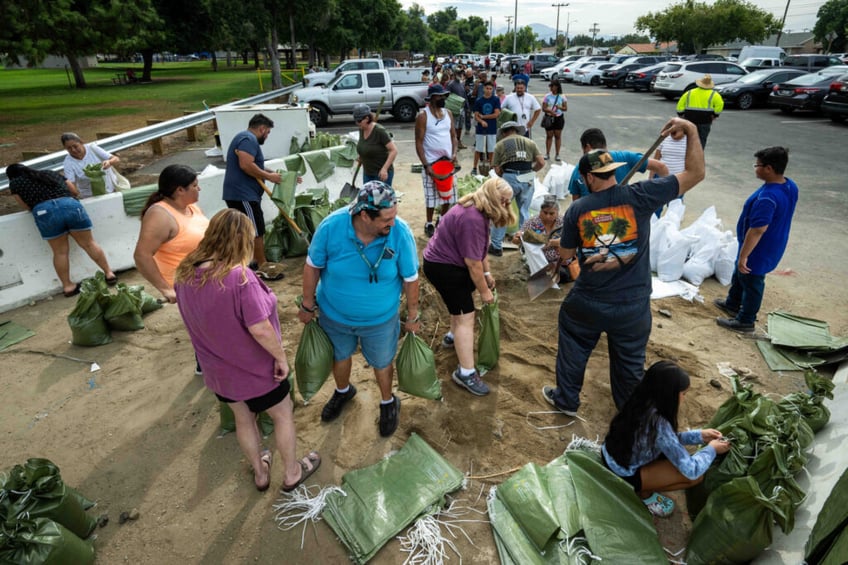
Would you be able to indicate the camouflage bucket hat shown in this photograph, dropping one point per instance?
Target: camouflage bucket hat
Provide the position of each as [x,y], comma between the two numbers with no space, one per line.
[374,195]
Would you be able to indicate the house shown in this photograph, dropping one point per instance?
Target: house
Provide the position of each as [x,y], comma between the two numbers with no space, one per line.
[666,48]
[793,43]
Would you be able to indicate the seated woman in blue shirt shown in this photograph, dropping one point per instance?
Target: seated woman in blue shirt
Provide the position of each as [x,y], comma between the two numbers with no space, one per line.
[644,448]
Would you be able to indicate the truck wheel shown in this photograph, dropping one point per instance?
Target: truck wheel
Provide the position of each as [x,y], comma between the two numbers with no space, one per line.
[319,116]
[405,110]
[745,101]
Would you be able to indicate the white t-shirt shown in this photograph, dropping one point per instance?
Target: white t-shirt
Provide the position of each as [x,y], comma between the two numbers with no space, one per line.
[523,106]
[73,172]
[673,153]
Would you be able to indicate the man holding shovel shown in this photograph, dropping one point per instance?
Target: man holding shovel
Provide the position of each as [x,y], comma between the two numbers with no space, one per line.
[246,165]
[609,232]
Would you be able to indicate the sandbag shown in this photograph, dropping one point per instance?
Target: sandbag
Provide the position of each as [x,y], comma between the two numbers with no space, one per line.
[41,541]
[228,420]
[88,326]
[526,496]
[701,263]
[313,361]
[725,260]
[827,541]
[416,369]
[135,198]
[489,341]
[148,302]
[557,179]
[671,259]
[124,310]
[97,177]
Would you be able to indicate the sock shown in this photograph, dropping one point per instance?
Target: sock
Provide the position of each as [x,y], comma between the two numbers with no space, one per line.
[466,372]
[343,390]
[389,401]
[449,334]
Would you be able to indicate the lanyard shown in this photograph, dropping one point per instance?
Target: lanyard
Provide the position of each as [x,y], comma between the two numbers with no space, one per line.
[372,275]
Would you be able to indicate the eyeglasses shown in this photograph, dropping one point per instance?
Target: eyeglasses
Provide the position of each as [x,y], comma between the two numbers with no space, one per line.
[758,165]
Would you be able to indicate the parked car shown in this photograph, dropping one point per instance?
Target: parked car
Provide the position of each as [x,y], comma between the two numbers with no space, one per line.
[703,57]
[542,61]
[805,92]
[754,88]
[569,72]
[591,74]
[810,63]
[616,75]
[754,63]
[678,77]
[566,73]
[761,51]
[555,71]
[507,61]
[318,79]
[642,79]
[835,103]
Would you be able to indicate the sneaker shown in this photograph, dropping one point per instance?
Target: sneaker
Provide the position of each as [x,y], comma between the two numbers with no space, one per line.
[447,341]
[547,157]
[461,146]
[558,159]
[198,372]
[389,417]
[735,325]
[472,382]
[495,251]
[429,229]
[474,171]
[722,305]
[548,393]
[659,505]
[334,406]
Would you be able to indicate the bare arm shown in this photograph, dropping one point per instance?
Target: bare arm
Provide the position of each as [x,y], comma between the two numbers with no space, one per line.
[533,118]
[72,188]
[311,275]
[21,202]
[657,167]
[157,227]
[266,336]
[393,151]
[693,172]
[752,238]
[420,130]
[413,321]
[539,162]
[249,166]
[475,270]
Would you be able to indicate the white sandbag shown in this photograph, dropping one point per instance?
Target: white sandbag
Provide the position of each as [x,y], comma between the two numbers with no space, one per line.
[539,193]
[725,261]
[670,260]
[675,211]
[659,242]
[708,218]
[558,178]
[701,262]
[534,256]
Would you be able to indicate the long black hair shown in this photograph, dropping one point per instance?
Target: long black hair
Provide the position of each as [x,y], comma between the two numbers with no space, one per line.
[17,170]
[171,178]
[657,395]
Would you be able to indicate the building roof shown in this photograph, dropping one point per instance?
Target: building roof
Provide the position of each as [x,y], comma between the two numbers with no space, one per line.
[787,40]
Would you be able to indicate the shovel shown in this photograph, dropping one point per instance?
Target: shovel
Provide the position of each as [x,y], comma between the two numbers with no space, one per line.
[349,189]
[645,157]
[542,280]
[291,222]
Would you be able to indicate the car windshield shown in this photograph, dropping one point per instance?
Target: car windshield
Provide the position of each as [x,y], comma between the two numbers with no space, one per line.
[756,76]
[810,79]
[752,62]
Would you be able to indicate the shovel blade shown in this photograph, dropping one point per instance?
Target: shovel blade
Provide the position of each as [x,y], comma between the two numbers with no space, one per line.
[542,280]
[348,191]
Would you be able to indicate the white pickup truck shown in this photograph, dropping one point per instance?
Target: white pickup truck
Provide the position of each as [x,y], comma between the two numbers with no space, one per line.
[323,77]
[401,91]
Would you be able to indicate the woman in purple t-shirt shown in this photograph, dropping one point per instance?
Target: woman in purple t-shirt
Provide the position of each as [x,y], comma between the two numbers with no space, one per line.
[231,317]
[456,262]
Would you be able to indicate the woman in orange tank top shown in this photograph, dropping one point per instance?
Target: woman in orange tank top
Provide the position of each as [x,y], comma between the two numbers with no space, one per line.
[172,226]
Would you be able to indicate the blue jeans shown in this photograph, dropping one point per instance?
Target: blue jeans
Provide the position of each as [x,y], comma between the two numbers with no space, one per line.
[379,343]
[367,178]
[57,217]
[746,295]
[581,322]
[522,192]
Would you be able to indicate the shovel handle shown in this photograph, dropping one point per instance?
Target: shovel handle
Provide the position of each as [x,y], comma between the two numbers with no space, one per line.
[644,158]
[270,194]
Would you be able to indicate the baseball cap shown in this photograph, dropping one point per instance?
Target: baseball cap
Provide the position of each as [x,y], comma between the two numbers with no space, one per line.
[360,112]
[374,195]
[519,81]
[506,126]
[436,90]
[597,161]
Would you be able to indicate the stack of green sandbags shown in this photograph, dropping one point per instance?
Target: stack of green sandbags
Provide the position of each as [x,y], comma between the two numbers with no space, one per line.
[753,485]
[307,210]
[43,520]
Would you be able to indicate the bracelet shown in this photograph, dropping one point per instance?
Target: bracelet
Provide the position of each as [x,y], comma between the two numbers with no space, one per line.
[487,274]
[310,310]
[414,320]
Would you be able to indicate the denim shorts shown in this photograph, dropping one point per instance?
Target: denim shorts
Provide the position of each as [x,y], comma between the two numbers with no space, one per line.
[379,343]
[57,217]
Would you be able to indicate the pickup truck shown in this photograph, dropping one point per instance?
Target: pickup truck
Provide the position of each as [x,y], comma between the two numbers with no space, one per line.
[401,91]
[317,79]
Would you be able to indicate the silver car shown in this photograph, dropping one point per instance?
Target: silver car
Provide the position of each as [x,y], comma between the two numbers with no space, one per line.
[679,76]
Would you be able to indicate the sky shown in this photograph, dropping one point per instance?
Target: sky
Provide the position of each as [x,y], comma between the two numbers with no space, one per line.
[613,17]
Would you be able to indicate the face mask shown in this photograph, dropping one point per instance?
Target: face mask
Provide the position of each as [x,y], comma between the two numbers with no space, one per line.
[439,102]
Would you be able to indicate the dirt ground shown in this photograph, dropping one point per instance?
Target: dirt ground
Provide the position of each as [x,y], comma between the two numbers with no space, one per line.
[142,432]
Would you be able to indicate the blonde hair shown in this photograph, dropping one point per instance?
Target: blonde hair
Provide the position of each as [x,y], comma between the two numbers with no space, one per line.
[488,198]
[228,243]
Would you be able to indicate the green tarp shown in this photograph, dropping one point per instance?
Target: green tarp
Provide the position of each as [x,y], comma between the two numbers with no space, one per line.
[799,332]
[11,333]
[382,499]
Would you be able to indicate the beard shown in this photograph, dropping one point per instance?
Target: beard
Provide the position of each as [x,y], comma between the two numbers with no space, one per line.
[262,139]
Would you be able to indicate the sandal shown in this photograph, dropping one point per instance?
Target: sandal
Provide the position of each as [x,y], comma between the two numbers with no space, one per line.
[659,505]
[266,457]
[70,293]
[270,271]
[313,458]
[112,281]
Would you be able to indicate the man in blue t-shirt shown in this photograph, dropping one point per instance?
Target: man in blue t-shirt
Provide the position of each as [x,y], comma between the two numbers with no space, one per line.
[246,165]
[608,232]
[593,138]
[763,232]
[360,260]
[487,108]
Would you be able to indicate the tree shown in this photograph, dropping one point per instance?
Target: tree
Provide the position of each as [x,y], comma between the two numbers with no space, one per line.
[696,25]
[446,44]
[416,36]
[471,31]
[832,19]
[443,20]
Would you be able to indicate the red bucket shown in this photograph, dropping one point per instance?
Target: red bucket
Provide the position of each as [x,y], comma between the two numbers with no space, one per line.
[443,178]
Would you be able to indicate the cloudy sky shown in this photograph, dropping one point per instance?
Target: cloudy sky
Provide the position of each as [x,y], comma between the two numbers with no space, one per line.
[614,17]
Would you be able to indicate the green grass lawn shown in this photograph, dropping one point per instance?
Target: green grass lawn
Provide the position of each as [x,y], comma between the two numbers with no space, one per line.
[43,97]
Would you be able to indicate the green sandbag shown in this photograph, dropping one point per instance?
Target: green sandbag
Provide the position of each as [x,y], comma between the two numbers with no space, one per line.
[838,552]
[564,496]
[148,302]
[228,420]
[320,164]
[283,192]
[416,369]
[295,164]
[831,523]
[124,310]
[505,116]
[97,176]
[42,541]
[294,146]
[489,341]
[455,103]
[514,548]
[735,525]
[136,198]
[313,360]
[525,495]
[380,500]
[88,327]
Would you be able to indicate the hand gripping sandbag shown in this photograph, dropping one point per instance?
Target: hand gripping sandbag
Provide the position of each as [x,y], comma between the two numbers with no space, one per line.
[42,541]
[489,342]
[313,361]
[416,369]
[88,327]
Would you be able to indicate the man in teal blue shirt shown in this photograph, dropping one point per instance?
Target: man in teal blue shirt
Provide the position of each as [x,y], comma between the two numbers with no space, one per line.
[593,138]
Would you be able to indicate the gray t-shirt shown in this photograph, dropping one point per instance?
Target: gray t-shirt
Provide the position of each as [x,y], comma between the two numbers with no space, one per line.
[617,223]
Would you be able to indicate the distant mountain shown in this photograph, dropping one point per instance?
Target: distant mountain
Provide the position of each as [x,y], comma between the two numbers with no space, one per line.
[542,31]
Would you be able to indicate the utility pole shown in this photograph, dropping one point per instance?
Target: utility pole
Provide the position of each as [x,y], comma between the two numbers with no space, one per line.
[490,34]
[594,29]
[515,31]
[567,27]
[783,21]
[556,37]
[508,21]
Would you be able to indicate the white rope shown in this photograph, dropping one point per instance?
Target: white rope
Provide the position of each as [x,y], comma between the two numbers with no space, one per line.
[584,444]
[424,541]
[299,506]
[527,419]
[578,548]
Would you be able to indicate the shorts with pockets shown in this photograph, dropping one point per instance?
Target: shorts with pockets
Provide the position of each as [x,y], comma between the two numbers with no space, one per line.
[379,343]
[253,210]
[57,217]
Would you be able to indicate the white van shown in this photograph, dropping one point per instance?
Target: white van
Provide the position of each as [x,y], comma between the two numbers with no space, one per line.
[761,51]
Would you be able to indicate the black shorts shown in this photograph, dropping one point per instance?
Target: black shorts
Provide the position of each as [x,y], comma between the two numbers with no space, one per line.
[634,480]
[454,284]
[559,123]
[252,210]
[267,400]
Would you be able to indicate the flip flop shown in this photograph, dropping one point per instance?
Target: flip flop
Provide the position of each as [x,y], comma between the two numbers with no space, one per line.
[270,271]
[312,457]
[112,281]
[266,458]
[70,293]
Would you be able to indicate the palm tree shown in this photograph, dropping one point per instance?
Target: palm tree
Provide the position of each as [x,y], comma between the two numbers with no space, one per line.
[617,228]
[591,230]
